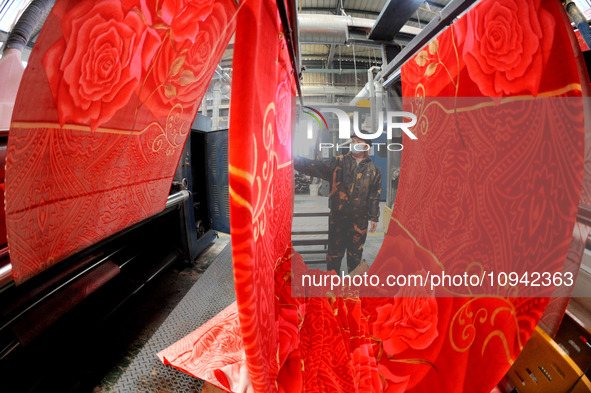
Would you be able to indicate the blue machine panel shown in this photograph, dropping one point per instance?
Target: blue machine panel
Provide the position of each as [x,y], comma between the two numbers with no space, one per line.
[214,145]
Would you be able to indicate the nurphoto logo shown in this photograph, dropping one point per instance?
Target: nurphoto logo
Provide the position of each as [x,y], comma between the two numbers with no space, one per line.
[394,120]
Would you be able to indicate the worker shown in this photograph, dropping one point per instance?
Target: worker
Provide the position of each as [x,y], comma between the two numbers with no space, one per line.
[355,187]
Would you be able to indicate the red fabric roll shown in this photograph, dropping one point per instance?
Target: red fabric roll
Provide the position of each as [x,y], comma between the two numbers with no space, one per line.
[101,118]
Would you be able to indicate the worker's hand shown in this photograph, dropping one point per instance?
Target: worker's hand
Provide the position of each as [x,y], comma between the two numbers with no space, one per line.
[373,226]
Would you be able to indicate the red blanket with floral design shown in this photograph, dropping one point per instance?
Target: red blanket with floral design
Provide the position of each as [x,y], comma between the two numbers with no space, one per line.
[494,179]
[491,182]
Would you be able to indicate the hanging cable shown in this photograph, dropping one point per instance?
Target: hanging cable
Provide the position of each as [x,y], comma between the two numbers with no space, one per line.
[355,66]
[428,9]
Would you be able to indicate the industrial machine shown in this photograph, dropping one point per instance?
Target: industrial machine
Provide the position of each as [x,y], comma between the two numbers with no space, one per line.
[71,297]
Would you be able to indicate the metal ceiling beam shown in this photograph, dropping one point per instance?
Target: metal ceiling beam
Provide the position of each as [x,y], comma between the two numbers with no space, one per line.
[334,71]
[443,20]
[338,29]
[331,11]
[360,40]
[323,90]
[394,15]
[420,22]
[318,56]
[432,4]
[351,12]
[335,29]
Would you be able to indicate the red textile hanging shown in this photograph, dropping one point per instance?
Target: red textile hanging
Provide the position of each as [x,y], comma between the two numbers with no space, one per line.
[101,118]
[261,204]
[260,180]
[495,183]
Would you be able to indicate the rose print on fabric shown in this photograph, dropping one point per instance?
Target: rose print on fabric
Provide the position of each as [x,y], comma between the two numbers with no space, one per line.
[181,72]
[95,68]
[439,62]
[366,369]
[506,45]
[104,159]
[182,16]
[406,323]
[162,51]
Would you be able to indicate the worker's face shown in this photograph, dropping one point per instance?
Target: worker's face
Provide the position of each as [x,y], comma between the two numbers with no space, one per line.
[358,146]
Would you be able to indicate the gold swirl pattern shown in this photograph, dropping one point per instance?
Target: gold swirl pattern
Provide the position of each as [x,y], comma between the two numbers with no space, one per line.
[418,107]
[264,177]
[423,58]
[464,321]
[573,87]
[174,134]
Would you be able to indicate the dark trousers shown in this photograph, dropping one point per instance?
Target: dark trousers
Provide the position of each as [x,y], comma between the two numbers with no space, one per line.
[345,233]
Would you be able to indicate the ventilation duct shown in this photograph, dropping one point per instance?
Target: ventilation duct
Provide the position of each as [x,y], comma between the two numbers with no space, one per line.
[339,29]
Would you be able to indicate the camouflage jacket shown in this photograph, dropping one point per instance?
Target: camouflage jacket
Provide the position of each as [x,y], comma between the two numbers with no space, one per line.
[354,189]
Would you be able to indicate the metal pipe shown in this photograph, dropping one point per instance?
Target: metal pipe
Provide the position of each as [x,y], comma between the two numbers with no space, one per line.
[393,78]
[332,71]
[326,29]
[21,33]
[323,90]
[215,111]
[580,21]
[177,197]
[379,102]
[339,29]
[444,19]
[53,291]
[297,45]
[5,275]
[372,98]
[6,270]
[204,105]
[364,92]
[223,74]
